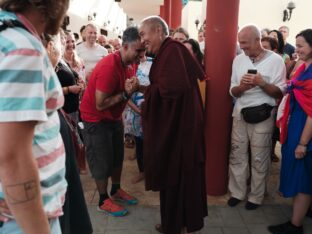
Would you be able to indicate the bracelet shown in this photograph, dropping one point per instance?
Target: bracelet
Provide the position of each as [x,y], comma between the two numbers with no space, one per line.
[303,145]
[125,96]
[68,91]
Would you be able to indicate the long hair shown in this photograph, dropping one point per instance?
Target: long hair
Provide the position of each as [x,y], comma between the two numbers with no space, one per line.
[52,9]
[196,50]
[280,41]
[75,60]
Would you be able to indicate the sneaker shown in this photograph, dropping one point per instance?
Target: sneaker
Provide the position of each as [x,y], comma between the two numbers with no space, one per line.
[285,228]
[251,206]
[109,207]
[122,196]
[233,201]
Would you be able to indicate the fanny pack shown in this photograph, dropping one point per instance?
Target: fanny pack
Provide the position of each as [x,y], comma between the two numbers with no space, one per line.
[256,114]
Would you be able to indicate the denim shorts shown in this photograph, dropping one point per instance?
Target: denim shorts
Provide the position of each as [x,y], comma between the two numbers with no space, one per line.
[12,227]
[104,147]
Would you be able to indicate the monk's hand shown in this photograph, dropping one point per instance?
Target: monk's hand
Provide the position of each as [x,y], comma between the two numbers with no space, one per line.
[5,213]
[300,151]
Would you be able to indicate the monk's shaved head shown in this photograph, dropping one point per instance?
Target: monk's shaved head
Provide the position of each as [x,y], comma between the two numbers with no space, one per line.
[156,21]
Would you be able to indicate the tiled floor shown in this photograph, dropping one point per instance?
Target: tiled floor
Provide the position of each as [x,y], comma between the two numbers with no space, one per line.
[222,219]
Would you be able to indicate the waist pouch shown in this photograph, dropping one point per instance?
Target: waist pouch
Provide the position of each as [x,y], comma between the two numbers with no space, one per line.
[256,114]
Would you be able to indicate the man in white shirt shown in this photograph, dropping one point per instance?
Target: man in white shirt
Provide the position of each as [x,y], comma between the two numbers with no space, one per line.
[90,51]
[258,77]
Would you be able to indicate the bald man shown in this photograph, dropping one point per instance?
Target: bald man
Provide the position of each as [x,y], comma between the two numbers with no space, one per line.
[102,40]
[90,51]
[258,80]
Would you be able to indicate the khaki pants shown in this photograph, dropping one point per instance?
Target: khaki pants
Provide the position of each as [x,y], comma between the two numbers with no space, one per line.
[259,136]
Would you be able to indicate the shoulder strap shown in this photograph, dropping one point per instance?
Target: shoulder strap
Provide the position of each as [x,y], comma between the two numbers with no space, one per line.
[4,24]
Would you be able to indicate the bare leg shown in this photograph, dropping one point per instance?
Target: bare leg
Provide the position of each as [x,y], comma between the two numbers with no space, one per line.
[300,207]
[138,178]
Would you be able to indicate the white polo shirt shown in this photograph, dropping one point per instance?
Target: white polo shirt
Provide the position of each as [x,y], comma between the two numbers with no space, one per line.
[91,56]
[273,71]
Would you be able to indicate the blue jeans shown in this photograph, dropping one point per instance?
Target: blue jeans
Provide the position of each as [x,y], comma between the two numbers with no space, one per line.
[12,227]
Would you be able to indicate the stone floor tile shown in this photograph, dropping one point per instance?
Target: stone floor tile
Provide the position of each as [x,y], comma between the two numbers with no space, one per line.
[127,231]
[274,214]
[211,230]
[231,217]
[258,229]
[98,219]
[252,216]
[235,230]
[214,217]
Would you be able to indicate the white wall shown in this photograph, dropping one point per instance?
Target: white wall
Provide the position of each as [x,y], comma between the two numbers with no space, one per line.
[190,13]
[106,10]
[269,14]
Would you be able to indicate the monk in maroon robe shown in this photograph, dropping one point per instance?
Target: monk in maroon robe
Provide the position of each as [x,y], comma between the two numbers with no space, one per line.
[173,129]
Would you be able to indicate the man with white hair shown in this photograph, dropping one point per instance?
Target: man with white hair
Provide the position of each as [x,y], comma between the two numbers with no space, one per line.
[173,109]
[258,80]
[90,51]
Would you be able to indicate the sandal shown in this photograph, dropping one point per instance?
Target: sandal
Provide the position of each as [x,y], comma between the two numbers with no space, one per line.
[158,228]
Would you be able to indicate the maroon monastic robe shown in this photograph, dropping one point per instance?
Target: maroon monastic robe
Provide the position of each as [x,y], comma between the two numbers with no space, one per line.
[173,129]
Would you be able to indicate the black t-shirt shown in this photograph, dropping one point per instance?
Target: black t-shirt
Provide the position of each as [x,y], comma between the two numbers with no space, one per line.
[289,49]
[68,77]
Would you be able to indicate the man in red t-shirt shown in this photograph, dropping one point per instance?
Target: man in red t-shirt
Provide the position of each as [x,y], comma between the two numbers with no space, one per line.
[101,109]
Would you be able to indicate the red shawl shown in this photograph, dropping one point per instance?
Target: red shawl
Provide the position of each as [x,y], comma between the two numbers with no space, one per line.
[302,91]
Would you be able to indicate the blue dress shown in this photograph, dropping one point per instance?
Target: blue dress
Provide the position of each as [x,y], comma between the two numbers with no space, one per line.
[296,174]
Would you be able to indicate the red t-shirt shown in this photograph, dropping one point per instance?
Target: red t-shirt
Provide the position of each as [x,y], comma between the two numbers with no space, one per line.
[108,76]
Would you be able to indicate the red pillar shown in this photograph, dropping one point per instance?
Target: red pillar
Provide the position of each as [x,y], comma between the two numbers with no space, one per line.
[176,13]
[221,38]
[162,11]
[167,7]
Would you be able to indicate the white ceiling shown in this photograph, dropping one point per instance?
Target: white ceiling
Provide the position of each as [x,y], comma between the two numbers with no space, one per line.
[139,9]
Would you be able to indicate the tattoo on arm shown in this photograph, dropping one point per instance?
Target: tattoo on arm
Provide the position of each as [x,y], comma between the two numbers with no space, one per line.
[21,193]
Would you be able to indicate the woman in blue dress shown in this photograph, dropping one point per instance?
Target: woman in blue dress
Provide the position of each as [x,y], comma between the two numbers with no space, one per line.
[296,134]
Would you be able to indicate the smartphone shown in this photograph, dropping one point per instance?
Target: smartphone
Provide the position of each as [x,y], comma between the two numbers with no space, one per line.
[252,71]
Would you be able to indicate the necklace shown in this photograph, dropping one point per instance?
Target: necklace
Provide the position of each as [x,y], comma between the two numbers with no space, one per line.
[258,57]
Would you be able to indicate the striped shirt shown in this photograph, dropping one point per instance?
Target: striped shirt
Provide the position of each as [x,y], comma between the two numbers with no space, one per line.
[30,91]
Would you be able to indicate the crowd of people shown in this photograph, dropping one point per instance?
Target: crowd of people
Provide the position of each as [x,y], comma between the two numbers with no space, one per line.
[67,104]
